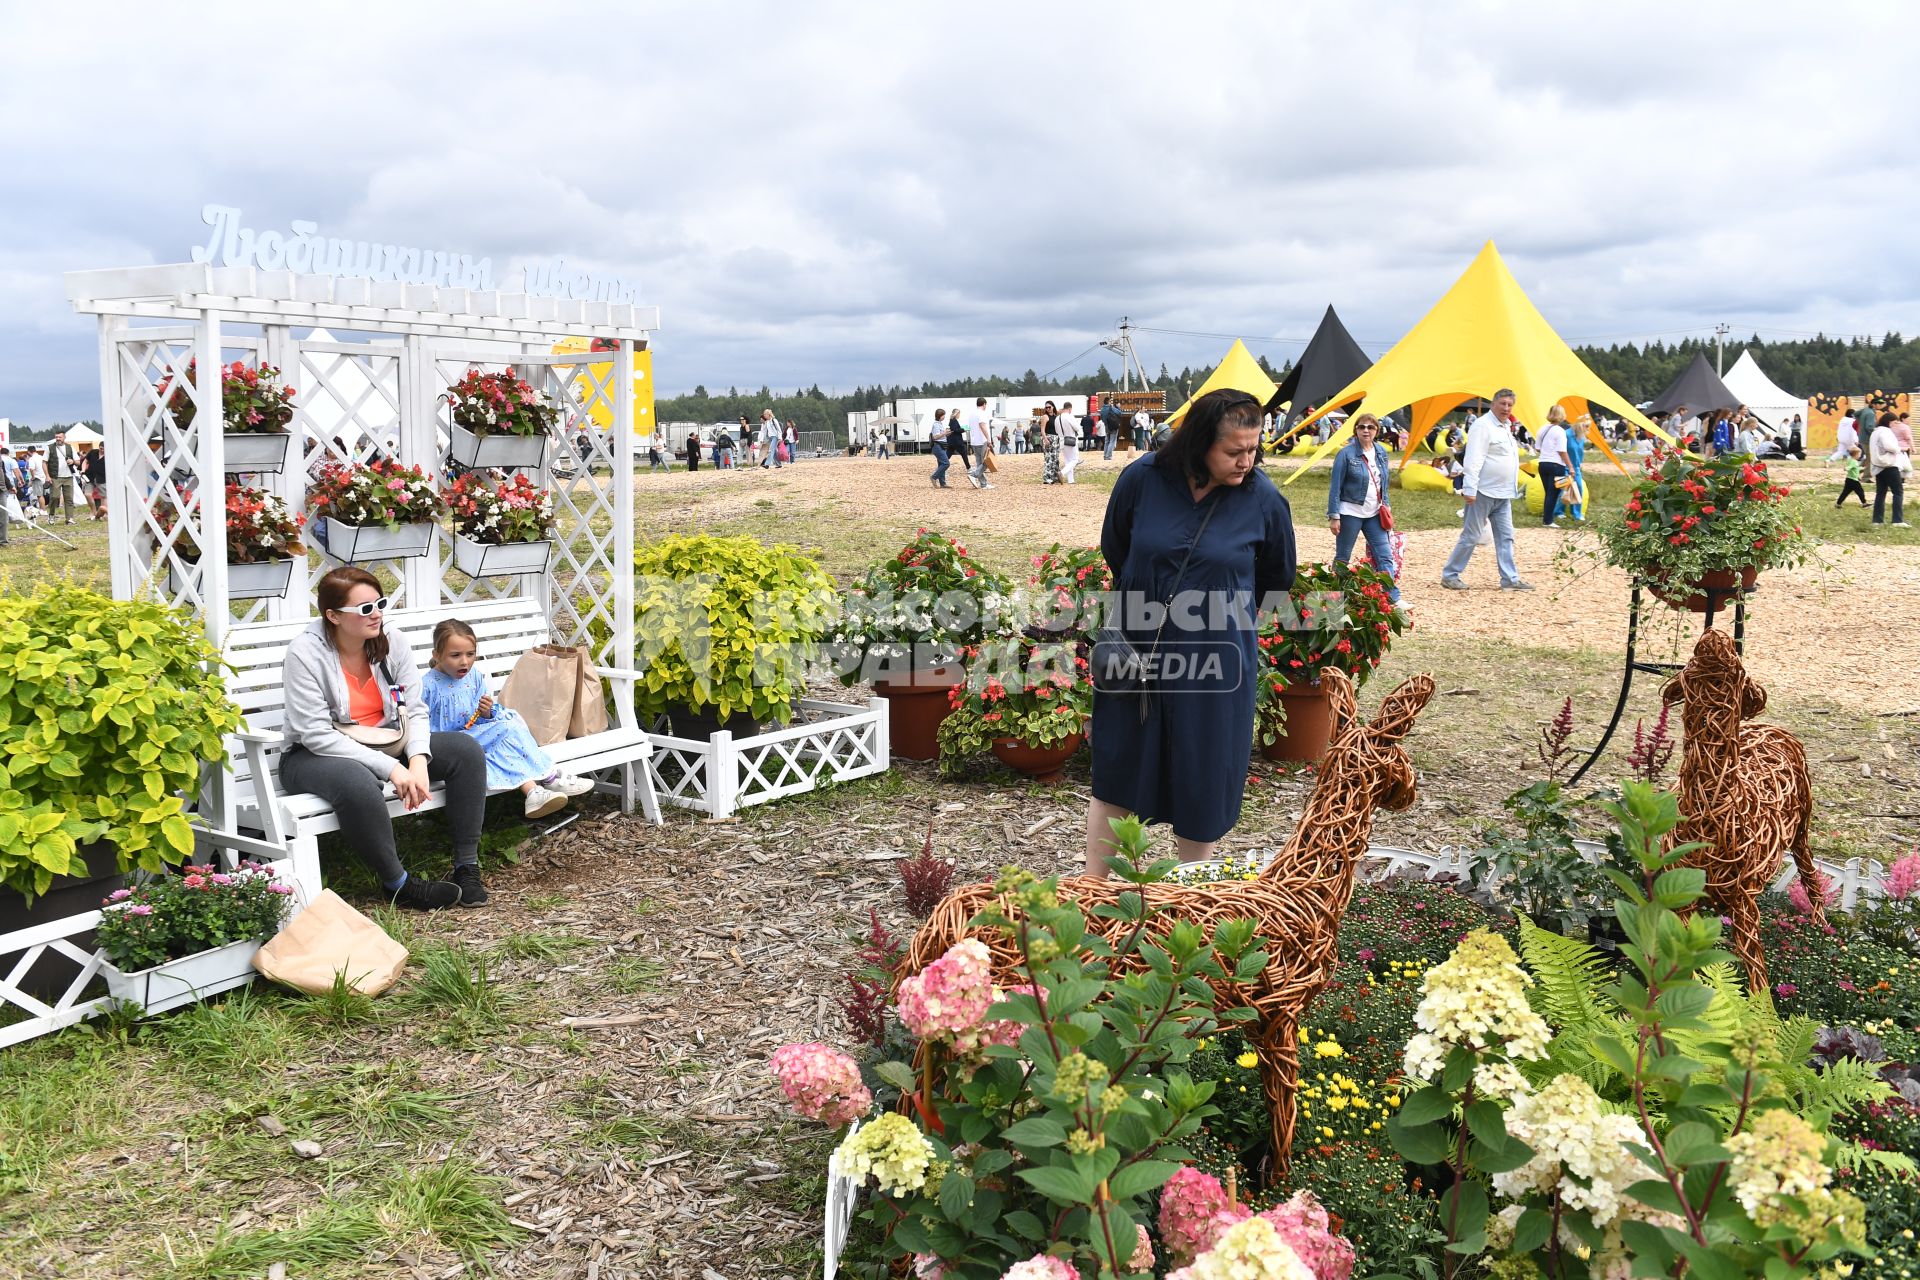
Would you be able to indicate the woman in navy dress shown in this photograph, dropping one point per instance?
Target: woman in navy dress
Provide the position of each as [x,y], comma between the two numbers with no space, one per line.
[1186,763]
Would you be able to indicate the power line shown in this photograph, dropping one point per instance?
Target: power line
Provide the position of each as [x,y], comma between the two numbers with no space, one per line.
[1076,360]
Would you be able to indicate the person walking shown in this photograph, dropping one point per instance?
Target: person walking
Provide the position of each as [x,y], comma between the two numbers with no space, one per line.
[1356,496]
[1142,429]
[95,467]
[693,449]
[1888,465]
[654,461]
[1050,445]
[1575,503]
[60,476]
[768,439]
[792,437]
[957,446]
[1100,432]
[978,438]
[36,477]
[8,500]
[1070,429]
[1852,484]
[1553,462]
[937,439]
[1193,523]
[1490,480]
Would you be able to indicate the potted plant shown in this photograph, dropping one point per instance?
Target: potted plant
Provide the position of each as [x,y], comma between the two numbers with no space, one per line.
[903,627]
[377,510]
[1067,591]
[177,938]
[1338,616]
[263,537]
[499,420]
[1697,531]
[725,629]
[109,709]
[255,410]
[499,528]
[1028,701]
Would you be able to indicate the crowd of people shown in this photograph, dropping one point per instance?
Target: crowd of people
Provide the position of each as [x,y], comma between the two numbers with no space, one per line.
[54,479]
[767,443]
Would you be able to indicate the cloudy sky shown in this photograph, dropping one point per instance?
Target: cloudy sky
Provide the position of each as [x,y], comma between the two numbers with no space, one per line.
[858,193]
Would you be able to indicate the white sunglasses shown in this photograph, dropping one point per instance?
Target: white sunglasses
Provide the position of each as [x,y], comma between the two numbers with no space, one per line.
[366,610]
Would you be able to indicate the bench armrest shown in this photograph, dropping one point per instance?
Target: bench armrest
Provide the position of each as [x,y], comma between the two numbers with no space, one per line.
[618,673]
[251,738]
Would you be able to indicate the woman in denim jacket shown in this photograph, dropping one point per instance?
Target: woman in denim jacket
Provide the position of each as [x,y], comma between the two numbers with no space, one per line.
[1356,495]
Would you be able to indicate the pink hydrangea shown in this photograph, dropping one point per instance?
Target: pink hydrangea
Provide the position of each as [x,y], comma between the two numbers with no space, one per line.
[1194,1212]
[821,1083]
[1142,1259]
[1302,1223]
[1903,877]
[1042,1266]
[951,995]
[998,1031]
[1797,894]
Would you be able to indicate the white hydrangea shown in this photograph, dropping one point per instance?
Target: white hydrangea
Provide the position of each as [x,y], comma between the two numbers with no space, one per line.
[1579,1148]
[1476,997]
[1500,1080]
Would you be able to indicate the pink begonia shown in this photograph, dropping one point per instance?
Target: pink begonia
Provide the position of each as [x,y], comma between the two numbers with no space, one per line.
[1042,1266]
[951,995]
[1303,1224]
[1903,877]
[1194,1212]
[822,1083]
[1797,893]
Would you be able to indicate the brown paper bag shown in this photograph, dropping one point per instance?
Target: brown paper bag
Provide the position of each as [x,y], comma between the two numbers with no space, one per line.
[544,687]
[330,937]
[987,457]
[589,702]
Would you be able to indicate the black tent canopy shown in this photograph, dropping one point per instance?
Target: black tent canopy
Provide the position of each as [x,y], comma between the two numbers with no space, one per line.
[1331,361]
[1698,390]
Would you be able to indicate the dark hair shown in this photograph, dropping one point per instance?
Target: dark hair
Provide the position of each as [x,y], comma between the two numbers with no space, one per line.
[1225,409]
[446,629]
[332,592]
[981,403]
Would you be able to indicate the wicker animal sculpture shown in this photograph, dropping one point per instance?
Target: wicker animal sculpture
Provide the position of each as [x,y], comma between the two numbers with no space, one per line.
[1296,903]
[1744,793]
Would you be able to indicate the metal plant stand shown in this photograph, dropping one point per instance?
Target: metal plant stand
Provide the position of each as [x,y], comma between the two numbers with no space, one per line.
[1716,597]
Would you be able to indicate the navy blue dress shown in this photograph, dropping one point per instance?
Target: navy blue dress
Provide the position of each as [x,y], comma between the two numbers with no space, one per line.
[1187,764]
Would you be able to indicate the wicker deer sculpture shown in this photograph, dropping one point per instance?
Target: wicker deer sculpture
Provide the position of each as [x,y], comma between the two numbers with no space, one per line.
[1296,903]
[1744,793]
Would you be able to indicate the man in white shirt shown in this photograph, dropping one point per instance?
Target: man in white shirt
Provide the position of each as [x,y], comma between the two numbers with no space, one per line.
[975,421]
[1142,429]
[1490,481]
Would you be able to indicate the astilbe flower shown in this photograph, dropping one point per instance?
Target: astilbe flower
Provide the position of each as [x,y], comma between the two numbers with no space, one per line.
[1778,1154]
[1248,1250]
[1903,877]
[926,878]
[1042,1266]
[1579,1148]
[1802,902]
[950,995]
[890,1150]
[1476,997]
[1652,750]
[821,1083]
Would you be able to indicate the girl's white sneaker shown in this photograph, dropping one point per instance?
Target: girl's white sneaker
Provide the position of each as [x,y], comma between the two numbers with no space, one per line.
[541,802]
[567,785]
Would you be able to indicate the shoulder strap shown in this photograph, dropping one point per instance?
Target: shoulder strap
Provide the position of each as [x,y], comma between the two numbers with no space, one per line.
[1182,572]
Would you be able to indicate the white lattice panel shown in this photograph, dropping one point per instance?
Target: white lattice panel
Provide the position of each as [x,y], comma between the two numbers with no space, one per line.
[723,775]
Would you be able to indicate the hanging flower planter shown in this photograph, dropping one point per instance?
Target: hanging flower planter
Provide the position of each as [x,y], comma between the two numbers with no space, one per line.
[1706,593]
[267,580]
[173,983]
[490,559]
[363,543]
[496,450]
[255,452]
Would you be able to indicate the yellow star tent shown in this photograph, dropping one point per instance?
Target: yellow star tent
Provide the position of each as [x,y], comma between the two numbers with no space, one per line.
[1238,371]
[1484,334]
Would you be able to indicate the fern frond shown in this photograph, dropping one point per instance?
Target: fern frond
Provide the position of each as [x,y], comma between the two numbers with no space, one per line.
[1852,1156]
[1566,973]
[1846,1085]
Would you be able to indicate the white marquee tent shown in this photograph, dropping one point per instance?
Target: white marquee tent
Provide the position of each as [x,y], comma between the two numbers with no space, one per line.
[1757,391]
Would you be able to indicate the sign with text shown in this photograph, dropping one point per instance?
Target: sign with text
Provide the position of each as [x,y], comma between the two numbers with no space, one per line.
[1135,401]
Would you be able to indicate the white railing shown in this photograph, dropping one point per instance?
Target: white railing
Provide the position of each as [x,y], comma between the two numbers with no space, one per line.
[829,742]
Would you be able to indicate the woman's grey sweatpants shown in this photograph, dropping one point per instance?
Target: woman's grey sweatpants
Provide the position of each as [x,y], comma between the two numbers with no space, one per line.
[356,798]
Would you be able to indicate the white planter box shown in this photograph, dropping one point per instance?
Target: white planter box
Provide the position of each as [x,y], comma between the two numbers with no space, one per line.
[358,544]
[486,559]
[259,452]
[843,1201]
[470,450]
[263,581]
[183,981]
[828,742]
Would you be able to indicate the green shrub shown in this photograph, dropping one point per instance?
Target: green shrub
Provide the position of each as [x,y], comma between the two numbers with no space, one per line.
[727,623]
[108,709]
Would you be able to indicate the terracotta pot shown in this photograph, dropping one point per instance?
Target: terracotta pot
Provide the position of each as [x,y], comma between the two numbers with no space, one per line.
[1693,596]
[1309,725]
[1042,764]
[915,708]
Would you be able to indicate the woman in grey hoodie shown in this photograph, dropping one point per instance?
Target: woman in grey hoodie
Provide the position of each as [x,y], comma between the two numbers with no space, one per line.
[350,667]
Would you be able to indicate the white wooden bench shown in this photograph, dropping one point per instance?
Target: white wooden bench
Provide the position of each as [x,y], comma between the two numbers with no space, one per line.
[506,629]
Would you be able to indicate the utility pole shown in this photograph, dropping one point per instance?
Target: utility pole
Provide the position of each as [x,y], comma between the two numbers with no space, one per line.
[1719,353]
[1129,359]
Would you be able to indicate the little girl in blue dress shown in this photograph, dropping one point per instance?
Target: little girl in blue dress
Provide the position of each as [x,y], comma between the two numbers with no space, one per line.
[459,701]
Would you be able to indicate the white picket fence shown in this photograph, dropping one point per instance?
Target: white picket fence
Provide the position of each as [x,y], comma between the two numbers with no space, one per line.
[719,776]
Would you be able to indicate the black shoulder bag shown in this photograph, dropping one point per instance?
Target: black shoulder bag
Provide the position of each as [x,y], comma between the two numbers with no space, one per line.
[1120,670]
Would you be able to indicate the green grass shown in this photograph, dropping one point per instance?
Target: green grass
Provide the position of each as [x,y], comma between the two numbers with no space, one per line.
[630,975]
[332,1231]
[452,1203]
[542,944]
[456,986]
[246,1032]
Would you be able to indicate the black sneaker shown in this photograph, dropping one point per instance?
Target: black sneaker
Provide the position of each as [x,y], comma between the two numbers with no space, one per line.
[472,892]
[426,895]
